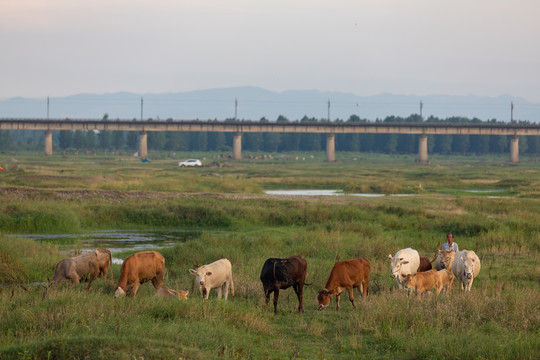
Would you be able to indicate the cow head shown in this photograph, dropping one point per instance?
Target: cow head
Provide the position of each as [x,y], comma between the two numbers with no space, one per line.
[201,276]
[182,295]
[409,281]
[324,298]
[395,265]
[447,257]
[119,292]
[468,266]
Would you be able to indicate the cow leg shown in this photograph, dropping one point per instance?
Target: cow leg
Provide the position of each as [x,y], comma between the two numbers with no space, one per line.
[298,289]
[337,301]
[157,281]
[351,296]
[92,277]
[267,293]
[219,291]
[134,289]
[365,288]
[226,290]
[276,296]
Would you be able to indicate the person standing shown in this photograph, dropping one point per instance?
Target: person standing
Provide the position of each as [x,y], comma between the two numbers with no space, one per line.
[450,244]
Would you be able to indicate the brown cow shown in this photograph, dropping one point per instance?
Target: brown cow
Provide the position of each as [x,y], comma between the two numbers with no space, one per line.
[279,274]
[164,291]
[76,268]
[346,274]
[425,264]
[138,268]
[105,260]
[423,281]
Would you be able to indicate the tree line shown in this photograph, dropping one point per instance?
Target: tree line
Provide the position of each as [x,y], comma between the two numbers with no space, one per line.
[90,140]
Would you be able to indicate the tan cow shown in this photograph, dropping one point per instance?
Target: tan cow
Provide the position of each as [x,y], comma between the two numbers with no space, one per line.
[76,268]
[423,281]
[104,262]
[139,268]
[346,274]
[166,292]
[447,259]
[217,275]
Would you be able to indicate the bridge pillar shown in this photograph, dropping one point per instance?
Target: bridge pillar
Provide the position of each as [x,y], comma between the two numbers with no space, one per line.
[514,149]
[237,146]
[422,149]
[48,142]
[330,147]
[143,144]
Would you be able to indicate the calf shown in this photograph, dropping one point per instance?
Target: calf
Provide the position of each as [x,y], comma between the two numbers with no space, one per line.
[346,274]
[164,291]
[139,268]
[423,281]
[279,274]
[217,275]
[447,259]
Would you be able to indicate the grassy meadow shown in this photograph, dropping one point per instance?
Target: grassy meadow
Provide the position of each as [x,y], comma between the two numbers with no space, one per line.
[491,206]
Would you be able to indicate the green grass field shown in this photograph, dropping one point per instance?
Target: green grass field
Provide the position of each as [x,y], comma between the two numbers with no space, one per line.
[498,319]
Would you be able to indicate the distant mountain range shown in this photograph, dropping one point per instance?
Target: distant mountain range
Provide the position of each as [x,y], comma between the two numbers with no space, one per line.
[253,103]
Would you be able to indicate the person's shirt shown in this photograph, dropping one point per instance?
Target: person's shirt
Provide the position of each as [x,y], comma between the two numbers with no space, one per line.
[454,247]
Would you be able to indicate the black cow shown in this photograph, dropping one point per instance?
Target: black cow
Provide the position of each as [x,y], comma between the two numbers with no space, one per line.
[283,273]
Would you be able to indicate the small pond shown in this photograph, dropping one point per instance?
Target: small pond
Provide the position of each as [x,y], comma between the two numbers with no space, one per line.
[324,193]
[116,240]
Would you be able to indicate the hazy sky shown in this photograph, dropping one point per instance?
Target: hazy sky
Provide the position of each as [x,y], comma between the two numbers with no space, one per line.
[367,47]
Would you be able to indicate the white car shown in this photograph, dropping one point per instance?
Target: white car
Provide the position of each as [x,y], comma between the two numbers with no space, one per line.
[190,162]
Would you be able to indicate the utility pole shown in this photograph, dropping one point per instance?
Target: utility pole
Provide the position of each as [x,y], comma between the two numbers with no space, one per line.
[141,108]
[47,107]
[511,112]
[328,110]
[421,107]
[235,108]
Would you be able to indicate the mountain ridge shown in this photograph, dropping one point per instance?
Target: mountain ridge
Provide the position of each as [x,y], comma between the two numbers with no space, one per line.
[253,103]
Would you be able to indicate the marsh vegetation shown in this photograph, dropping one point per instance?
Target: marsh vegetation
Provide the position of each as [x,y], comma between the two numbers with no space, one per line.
[499,318]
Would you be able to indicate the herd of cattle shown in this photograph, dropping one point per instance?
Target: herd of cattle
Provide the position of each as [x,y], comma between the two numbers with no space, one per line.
[409,269]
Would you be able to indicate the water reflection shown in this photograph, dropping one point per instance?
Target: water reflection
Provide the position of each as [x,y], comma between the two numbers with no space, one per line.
[116,240]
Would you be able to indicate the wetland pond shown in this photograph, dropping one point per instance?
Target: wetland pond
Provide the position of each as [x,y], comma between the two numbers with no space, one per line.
[116,240]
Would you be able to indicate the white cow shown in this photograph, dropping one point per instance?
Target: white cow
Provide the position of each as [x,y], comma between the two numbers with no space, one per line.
[405,262]
[466,267]
[217,275]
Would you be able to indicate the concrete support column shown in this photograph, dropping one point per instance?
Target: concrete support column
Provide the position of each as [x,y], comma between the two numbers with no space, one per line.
[422,149]
[237,146]
[330,147]
[514,149]
[48,142]
[143,144]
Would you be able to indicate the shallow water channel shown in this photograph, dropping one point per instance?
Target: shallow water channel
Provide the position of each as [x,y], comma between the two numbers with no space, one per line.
[116,240]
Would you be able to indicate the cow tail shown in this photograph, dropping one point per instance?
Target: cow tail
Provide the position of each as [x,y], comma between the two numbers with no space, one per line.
[110,265]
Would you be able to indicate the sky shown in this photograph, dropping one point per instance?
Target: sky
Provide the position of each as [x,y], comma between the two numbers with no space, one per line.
[365,47]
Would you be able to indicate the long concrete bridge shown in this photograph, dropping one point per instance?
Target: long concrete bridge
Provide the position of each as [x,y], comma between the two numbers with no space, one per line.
[240,127]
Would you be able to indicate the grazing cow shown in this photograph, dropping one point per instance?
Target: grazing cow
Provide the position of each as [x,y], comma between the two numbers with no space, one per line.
[166,292]
[104,261]
[425,264]
[76,268]
[139,268]
[466,266]
[279,274]
[405,262]
[217,275]
[423,281]
[346,274]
